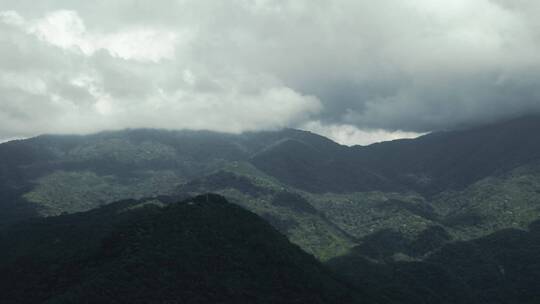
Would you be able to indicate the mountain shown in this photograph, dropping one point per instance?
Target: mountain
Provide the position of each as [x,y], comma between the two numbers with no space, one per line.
[443,218]
[501,268]
[50,175]
[429,164]
[469,183]
[200,250]
[83,172]
[327,198]
[454,160]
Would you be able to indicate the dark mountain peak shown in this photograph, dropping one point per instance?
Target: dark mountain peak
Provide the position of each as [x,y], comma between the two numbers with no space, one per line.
[309,137]
[201,250]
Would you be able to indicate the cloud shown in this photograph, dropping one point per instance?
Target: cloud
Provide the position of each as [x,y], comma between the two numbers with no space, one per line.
[360,71]
[350,135]
[66,30]
[85,82]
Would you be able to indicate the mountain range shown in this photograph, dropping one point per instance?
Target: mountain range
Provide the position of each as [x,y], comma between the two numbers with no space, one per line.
[420,220]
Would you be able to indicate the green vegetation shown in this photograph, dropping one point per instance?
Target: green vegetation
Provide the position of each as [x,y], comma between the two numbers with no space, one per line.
[252,190]
[511,200]
[361,214]
[203,250]
[84,190]
[501,268]
[122,150]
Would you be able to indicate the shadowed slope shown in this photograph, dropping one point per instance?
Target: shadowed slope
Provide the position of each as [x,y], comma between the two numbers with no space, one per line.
[203,250]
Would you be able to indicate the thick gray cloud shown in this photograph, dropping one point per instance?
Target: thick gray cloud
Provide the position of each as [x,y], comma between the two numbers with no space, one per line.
[358,71]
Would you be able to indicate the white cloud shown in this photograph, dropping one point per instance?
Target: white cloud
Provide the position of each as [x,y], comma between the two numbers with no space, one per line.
[232,111]
[130,84]
[350,135]
[26,83]
[65,29]
[12,18]
[141,44]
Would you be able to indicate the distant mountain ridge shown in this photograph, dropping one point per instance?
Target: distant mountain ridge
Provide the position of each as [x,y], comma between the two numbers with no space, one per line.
[388,165]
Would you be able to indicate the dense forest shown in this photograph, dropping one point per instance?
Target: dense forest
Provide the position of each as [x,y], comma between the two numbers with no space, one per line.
[201,250]
[450,217]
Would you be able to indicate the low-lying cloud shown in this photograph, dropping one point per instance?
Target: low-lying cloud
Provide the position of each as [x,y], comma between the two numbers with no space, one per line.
[358,71]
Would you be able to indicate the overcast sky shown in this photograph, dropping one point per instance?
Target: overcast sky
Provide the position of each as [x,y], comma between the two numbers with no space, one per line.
[357,71]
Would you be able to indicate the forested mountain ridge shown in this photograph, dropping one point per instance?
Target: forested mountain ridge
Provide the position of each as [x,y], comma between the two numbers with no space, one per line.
[326,197]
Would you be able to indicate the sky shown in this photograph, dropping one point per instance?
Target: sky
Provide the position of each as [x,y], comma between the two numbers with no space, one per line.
[353,70]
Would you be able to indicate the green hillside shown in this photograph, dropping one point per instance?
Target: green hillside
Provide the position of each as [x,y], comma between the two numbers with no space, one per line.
[202,250]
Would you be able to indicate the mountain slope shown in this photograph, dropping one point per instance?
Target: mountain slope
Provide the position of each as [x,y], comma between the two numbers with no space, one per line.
[203,250]
[429,165]
[453,160]
[288,211]
[84,172]
[404,188]
[502,268]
